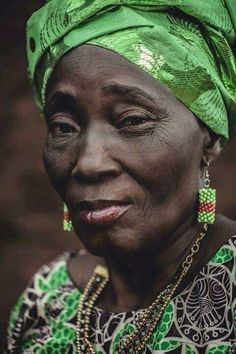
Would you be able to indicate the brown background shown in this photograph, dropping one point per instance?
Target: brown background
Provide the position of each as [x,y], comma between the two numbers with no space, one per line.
[30,211]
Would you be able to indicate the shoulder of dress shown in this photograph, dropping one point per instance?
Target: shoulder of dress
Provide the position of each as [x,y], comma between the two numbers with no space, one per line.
[51,275]
[58,262]
[47,283]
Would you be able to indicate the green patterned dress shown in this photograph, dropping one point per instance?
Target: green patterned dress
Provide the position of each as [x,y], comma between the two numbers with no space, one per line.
[201,319]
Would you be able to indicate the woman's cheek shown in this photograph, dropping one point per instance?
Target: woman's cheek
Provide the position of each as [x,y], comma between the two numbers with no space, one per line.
[57,163]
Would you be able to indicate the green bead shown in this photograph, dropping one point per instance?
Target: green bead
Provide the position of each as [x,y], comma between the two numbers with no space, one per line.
[206,217]
[67,225]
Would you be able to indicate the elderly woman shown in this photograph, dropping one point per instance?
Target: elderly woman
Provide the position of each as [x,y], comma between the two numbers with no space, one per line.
[139,98]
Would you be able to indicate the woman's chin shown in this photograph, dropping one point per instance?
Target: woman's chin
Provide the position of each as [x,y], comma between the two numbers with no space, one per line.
[110,242]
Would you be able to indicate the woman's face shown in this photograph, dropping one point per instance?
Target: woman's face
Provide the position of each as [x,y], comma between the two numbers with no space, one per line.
[123,153]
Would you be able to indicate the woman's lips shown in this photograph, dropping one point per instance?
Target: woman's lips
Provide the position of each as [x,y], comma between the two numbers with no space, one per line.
[102,214]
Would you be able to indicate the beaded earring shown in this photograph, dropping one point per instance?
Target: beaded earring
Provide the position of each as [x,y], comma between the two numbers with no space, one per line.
[67,224]
[207,201]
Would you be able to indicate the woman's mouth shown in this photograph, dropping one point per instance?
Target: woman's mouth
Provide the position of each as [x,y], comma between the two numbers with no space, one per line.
[101,212]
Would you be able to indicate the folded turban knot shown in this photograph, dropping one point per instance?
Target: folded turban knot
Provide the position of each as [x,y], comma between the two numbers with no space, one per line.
[186,45]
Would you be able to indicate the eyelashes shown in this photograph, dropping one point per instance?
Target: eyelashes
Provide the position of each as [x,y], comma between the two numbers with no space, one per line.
[141,125]
[61,129]
[63,124]
[133,121]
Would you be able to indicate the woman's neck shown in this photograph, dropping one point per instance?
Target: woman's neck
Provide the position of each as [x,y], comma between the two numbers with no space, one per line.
[136,281]
[142,277]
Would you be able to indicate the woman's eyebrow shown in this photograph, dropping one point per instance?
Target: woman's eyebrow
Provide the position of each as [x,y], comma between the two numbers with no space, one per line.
[60,100]
[129,91]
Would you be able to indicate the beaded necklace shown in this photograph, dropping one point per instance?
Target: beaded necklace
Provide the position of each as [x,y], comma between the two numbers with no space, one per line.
[135,342]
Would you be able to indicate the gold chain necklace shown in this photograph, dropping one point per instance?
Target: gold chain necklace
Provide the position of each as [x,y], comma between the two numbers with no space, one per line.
[143,328]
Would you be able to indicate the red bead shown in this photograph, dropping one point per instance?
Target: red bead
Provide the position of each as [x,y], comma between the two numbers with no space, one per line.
[66,215]
[208,207]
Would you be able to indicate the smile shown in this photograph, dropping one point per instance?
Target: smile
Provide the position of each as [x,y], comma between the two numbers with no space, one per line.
[101,212]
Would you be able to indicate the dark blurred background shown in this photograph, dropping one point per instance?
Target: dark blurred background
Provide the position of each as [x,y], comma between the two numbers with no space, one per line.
[30,211]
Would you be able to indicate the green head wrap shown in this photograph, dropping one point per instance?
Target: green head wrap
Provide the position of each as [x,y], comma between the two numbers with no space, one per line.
[186,45]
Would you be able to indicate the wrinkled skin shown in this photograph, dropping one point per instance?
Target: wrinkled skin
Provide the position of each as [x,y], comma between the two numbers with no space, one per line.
[118,145]
[114,132]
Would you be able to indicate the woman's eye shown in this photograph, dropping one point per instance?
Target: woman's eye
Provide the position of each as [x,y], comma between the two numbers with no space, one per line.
[130,121]
[61,128]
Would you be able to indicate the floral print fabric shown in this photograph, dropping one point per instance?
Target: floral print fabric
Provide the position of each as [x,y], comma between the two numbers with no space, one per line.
[201,319]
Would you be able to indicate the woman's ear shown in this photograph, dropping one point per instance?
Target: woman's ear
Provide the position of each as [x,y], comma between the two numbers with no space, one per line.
[212,147]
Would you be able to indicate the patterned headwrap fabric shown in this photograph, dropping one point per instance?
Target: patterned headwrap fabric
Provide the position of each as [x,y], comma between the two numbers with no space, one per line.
[186,45]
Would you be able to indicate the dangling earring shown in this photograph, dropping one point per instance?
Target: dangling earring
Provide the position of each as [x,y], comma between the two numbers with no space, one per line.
[67,224]
[207,201]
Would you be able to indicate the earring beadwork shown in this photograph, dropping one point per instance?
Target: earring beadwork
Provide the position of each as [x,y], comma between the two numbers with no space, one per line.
[67,224]
[207,201]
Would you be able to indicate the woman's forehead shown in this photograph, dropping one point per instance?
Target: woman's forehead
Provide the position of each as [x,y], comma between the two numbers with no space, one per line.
[106,70]
[96,72]
[89,73]
[91,59]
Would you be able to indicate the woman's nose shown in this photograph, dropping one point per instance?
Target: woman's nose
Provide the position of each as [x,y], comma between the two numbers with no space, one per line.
[95,161]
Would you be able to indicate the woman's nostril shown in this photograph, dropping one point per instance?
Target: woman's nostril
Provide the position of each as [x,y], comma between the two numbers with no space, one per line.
[90,170]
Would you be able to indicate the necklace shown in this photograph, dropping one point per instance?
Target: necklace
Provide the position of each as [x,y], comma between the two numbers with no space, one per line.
[143,328]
